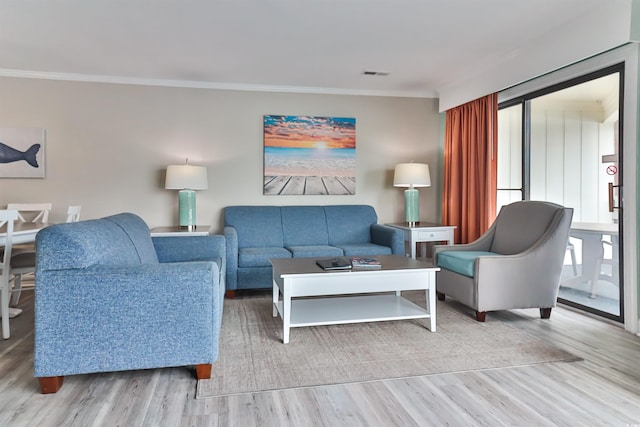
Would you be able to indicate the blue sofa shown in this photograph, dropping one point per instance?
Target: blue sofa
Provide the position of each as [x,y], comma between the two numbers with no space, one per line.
[255,234]
[108,297]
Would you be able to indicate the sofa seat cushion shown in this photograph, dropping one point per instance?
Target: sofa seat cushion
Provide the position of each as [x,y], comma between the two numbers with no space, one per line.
[359,249]
[314,251]
[462,262]
[259,257]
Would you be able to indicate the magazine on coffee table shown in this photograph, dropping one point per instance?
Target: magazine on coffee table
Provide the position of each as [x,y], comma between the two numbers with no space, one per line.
[365,262]
[334,263]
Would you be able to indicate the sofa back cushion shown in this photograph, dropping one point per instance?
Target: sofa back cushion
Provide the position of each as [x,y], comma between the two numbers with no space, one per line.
[519,225]
[304,226]
[84,244]
[348,224]
[138,232]
[257,226]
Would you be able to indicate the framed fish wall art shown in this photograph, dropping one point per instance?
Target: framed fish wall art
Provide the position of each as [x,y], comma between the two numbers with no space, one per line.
[22,152]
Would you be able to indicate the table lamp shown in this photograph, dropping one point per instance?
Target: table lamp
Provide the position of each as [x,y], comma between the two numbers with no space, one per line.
[411,175]
[186,178]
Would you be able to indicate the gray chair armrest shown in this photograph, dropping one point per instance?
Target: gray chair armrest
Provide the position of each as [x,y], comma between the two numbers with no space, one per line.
[482,244]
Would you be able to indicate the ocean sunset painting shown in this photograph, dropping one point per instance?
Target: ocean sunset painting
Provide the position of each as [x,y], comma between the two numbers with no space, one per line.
[309,155]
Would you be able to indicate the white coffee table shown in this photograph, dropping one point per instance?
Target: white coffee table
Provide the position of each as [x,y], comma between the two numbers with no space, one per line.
[297,278]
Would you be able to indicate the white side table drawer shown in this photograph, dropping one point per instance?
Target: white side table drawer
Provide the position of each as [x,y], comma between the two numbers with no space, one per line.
[421,232]
[434,236]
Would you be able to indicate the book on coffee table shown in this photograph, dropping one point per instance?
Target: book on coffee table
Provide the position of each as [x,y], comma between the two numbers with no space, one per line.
[365,262]
[334,263]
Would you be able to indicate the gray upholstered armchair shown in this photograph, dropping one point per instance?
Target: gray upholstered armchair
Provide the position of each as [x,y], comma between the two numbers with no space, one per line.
[516,264]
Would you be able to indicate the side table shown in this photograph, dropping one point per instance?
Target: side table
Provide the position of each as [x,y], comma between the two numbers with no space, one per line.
[425,232]
[177,231]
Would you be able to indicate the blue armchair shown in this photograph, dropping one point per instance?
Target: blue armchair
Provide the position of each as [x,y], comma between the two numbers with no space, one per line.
[110,298]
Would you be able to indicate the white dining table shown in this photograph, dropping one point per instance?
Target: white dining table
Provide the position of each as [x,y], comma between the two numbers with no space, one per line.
[591,234]
[23,232]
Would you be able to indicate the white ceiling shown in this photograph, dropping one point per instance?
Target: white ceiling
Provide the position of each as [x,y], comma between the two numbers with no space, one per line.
[290,45]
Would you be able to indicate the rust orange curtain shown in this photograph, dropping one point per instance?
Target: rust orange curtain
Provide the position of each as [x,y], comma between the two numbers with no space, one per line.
[470,167]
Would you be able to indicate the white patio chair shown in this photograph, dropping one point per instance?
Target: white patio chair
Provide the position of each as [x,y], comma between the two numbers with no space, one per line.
[27,212]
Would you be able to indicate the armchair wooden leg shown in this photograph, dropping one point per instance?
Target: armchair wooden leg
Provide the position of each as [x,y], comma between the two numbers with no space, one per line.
[231,294]
[545,313]
[481,316]
[203,372]
[50,385]
[440,295]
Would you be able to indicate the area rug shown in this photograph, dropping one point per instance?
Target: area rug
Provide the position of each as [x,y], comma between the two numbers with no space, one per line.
[252,357]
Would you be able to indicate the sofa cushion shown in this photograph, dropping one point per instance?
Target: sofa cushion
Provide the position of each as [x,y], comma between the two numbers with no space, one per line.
[259,257]
[138,232]
[304,226]
[314,251]
[462,262]
[257,226]
[360,249]
[349,224]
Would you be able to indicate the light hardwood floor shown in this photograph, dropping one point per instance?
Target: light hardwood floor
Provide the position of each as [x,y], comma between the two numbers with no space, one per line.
[601,390]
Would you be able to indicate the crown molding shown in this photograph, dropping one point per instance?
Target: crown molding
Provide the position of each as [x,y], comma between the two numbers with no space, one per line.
[92,78]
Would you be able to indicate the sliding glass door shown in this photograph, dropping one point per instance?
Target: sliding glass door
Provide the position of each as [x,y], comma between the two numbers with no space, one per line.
[563,144]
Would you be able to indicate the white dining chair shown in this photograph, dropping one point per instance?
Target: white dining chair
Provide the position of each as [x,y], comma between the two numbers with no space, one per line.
[27,212]
[73,213]
[14,264]
[31,212]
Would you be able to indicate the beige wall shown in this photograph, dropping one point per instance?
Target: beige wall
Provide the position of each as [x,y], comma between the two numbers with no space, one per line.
[107,146]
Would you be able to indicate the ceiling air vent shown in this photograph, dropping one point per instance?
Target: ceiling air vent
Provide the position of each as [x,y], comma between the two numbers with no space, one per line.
[375,73]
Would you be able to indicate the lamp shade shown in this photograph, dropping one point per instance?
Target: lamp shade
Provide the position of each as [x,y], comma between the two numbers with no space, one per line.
[411,175]
[180,177]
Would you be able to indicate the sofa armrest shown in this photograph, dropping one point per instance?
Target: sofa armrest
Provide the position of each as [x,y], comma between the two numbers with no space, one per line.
[189,248]
[388,236]
[119,318]
[193,248]
[231,239]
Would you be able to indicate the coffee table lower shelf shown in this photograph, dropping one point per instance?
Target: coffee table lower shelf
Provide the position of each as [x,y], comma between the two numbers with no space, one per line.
[351,309]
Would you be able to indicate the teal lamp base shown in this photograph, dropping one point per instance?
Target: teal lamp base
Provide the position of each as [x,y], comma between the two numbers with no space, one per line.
[411,206]
[187,208]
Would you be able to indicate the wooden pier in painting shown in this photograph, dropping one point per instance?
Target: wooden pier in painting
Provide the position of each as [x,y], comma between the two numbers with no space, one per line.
[309,185]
